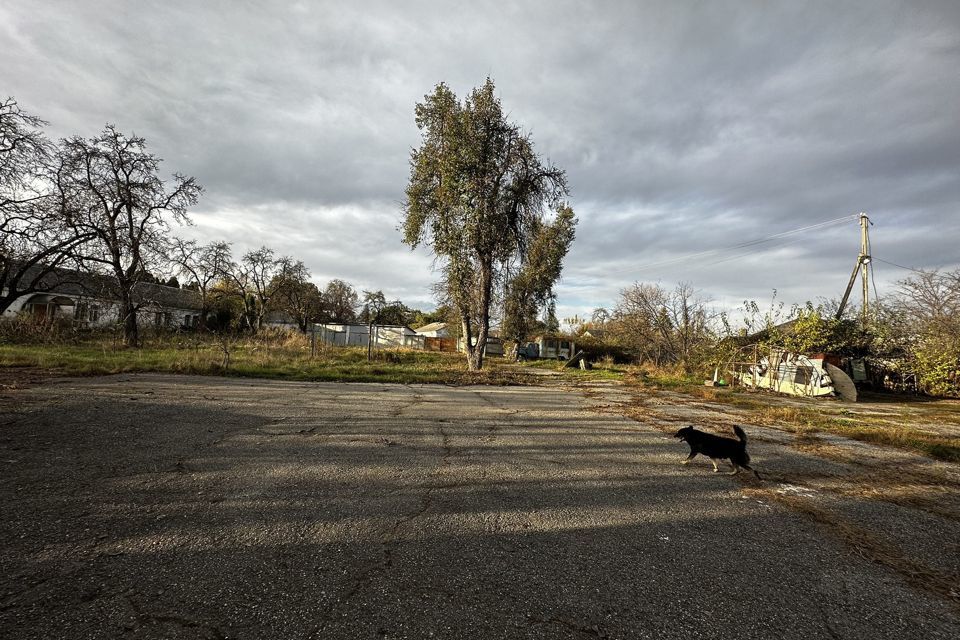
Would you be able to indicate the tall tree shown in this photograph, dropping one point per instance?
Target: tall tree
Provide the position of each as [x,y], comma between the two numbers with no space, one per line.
[475,195]
[121,200]
[37,235]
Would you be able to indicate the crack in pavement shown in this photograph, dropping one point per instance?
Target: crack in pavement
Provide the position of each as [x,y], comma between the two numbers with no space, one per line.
[593,630]
[388,538]
[144,617]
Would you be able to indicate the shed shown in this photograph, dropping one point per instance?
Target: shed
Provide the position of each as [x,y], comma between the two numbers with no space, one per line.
[434,330]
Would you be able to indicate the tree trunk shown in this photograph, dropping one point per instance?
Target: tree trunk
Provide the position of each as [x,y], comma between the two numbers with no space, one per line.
[369,341]
[6,301]
[486,283]
[514,350]
[469,347]
[131,337]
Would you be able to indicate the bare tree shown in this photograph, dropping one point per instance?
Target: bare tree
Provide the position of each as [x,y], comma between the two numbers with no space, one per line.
[921,320]
[120,199]
[251,278]
[202,266]
[37,235]
[661,326]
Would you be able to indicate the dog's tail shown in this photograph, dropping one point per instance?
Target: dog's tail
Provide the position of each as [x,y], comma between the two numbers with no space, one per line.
[742,435]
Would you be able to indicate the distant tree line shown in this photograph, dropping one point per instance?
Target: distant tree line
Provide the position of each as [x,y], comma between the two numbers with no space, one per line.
[100,206]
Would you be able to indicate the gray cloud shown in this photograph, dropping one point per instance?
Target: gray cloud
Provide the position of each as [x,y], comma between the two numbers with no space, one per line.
[682,130]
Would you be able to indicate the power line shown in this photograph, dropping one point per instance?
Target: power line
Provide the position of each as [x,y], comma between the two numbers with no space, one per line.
[900,266]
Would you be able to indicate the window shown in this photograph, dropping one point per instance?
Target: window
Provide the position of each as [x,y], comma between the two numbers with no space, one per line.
[803,376]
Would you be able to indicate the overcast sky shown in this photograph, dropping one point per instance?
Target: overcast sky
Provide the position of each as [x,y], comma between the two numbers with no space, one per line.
[684,127]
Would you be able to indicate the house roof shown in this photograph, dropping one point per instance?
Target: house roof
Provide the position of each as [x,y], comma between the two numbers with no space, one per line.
[361,325]
[78,283]
[433,326]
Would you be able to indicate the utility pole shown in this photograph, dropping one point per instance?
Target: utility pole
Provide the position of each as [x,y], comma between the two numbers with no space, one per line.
[865,263]
[863,260]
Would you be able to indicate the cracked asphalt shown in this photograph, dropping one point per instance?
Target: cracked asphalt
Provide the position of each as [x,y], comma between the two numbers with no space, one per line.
[152,506]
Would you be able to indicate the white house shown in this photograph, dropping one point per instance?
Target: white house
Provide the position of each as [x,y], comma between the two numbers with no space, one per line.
[89,300]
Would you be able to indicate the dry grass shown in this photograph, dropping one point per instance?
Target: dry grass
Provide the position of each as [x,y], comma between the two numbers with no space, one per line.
[271,354]
[904,423]
[283,356]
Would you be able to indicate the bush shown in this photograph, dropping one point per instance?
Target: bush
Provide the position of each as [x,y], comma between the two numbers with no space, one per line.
[595,350]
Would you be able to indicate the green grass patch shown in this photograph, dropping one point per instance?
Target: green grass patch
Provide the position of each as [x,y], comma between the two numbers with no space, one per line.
[280,356]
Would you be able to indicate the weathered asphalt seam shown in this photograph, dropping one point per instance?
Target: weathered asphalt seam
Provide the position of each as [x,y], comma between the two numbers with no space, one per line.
[387,537]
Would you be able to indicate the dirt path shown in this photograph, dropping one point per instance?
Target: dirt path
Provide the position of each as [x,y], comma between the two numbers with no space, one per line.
[150,506]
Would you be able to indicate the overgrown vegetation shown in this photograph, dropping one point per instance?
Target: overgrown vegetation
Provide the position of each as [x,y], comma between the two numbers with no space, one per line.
[268,354]
[912,334]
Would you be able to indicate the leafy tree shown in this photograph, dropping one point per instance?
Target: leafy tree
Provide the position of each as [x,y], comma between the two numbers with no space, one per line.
[294,294]
[395,313]
[117,196]
[373,303]
[226,307]
[476,193]
[530,291]
[442,313]
[340,302]
[812,331]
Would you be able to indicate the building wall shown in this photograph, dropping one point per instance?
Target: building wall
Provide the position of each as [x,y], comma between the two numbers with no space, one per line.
[358,335]
[98,313]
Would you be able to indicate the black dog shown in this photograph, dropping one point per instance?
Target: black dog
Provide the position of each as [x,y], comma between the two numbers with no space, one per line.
[718,448]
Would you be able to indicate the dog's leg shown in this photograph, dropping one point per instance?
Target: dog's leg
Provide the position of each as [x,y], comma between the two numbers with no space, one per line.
[749,468]
[736,469]
[693,454]
[715,467]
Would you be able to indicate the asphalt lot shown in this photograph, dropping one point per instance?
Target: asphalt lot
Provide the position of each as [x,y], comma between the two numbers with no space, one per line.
[151,506]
